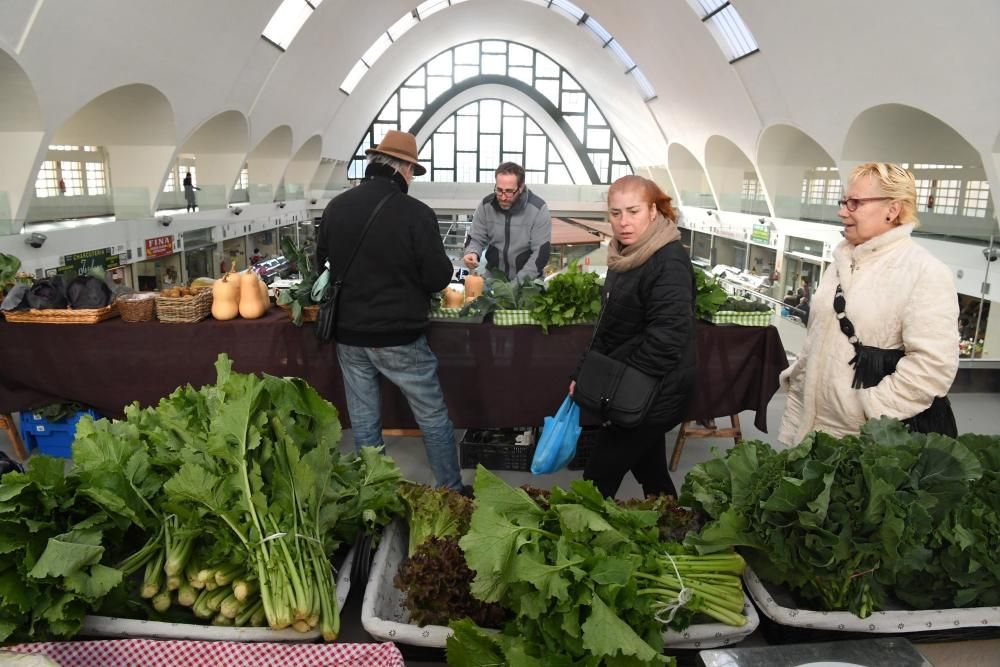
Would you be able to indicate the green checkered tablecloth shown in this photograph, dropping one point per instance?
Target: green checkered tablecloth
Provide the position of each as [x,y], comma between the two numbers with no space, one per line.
[446,313]
[510,318]
[452,315]
[742,319]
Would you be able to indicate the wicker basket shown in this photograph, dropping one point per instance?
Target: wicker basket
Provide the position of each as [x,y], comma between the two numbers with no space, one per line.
[62,315]
[184,309]
[138,307]
[309,313]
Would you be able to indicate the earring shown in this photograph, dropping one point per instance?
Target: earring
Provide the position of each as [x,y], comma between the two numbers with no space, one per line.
[887,218]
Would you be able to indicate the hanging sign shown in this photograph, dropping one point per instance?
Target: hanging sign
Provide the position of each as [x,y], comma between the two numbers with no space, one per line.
[81,263]
[160,246]
[761,234]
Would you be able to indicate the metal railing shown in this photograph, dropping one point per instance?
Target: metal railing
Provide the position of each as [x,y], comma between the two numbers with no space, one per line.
[737,288]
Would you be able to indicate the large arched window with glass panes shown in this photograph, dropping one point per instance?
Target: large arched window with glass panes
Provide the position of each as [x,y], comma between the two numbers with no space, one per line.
[469,144]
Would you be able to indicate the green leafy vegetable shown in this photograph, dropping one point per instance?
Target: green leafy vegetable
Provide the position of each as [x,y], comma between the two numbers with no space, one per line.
[300,296]
[571,296]
[239,488]
[848,523]
[434,512]
[709,297]
[587,580]
[9,266]
[53,548]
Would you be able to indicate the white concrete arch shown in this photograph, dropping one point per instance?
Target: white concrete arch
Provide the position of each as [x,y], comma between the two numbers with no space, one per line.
[901,133]
[904,134]
[134,124]
[727,166]
[267,162]
[302,168]
[21,138]
[219,147]
[690,178]
[785,156]
[553,131]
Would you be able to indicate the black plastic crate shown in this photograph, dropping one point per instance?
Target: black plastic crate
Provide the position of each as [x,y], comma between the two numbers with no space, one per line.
[584,445]
[498,448]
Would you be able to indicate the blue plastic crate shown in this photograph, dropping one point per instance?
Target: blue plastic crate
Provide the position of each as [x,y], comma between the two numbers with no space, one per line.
[51,437]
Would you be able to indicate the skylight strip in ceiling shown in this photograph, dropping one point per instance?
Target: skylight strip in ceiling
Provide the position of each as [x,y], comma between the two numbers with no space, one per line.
[734,33]
[286,22]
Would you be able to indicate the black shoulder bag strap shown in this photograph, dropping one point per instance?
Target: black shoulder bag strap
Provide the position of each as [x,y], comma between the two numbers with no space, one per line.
[350,260]
[327,320]
[871,364]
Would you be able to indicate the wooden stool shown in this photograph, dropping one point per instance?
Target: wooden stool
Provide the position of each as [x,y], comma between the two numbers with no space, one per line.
[7,424]
[686,433]
[406,432]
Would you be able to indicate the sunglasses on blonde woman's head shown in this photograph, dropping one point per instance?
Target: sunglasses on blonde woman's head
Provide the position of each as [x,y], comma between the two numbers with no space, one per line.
[852,203]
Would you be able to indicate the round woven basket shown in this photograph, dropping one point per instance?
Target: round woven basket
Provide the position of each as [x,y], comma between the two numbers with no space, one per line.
[309,313]
[137,307]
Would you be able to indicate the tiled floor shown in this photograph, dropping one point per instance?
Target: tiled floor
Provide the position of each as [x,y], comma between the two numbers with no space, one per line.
[974,412]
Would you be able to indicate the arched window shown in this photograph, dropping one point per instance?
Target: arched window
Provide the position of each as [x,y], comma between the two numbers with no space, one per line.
[487,132]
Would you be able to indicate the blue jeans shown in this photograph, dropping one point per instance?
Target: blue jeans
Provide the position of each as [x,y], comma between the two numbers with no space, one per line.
[412,368]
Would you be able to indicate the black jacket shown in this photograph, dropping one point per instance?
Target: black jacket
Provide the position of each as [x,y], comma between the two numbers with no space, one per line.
[648,322]
[385,300]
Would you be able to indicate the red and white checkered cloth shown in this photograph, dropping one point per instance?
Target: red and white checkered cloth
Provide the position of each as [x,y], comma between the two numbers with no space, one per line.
[153,653]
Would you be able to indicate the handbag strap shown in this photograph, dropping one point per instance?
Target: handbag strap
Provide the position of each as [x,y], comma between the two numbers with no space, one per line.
[600,316]
[340,281]
[846,326]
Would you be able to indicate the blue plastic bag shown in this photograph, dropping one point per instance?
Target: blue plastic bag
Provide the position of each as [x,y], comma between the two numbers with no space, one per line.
[557,445]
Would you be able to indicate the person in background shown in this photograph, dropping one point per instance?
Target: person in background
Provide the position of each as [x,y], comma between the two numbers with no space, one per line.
[791,300]
[189,189]
[385,300]
[805,290]
[897,295]
[649,324]
[255,257]
[511,227]
[169,277]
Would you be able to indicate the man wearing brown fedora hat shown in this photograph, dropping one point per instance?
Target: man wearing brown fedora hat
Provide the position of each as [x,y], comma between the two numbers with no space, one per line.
[384,303]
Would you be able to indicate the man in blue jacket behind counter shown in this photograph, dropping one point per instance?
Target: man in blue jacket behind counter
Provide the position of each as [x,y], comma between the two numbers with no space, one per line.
[511,227]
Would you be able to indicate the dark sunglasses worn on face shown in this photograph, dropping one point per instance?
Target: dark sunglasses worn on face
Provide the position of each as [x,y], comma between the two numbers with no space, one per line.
[852,203]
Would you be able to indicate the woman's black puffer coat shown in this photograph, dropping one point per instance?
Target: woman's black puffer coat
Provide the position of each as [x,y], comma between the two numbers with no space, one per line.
[648,322]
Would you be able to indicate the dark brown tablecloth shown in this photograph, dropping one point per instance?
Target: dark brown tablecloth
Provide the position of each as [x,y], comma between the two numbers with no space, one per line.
[492,376]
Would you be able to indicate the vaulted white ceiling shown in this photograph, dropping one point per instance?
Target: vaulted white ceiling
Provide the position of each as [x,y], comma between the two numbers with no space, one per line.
[828,74]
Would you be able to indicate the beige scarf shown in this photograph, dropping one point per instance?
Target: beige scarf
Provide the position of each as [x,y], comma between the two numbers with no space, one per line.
[660,232]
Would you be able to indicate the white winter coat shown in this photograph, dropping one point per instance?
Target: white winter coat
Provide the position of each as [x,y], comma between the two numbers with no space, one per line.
[898,297]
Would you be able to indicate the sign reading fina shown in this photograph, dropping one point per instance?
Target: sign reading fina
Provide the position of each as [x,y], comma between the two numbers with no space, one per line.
[160,246]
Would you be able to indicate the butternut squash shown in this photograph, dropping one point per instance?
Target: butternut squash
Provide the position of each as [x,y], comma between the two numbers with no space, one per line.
[473,286]
[226,297]
[454,296]
[253,303]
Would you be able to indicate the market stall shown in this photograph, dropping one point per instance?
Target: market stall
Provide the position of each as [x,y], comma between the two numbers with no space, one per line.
[491,375]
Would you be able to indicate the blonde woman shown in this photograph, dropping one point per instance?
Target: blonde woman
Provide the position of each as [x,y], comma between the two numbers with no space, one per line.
[897,300]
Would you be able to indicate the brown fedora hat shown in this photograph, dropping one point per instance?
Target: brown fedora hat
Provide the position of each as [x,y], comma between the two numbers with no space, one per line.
[402,146]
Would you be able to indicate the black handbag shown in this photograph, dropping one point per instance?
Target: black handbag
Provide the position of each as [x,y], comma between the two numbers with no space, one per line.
[619,393]
[326,318]
[872,364]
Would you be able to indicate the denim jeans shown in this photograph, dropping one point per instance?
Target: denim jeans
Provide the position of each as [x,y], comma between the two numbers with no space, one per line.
[412,368]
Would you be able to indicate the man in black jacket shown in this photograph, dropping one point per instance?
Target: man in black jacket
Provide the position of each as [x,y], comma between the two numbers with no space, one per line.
[384,303]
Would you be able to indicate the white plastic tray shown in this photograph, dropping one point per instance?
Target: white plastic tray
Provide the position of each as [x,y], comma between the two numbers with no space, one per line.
[772,600]
[110,626]
[384,617]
